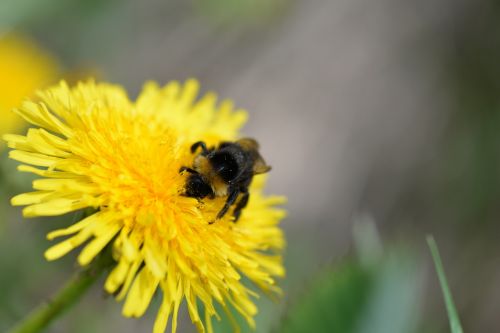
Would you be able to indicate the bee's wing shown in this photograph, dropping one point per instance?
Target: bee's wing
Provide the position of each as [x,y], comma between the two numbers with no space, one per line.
[248,144]
[252,146]
[260,166]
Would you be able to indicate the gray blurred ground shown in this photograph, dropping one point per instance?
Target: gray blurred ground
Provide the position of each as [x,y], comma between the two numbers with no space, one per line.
[342,95]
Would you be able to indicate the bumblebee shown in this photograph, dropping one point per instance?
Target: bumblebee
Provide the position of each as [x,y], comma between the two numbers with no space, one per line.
[224,171]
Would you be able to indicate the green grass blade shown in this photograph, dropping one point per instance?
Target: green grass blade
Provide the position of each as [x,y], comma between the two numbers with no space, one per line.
[448,299]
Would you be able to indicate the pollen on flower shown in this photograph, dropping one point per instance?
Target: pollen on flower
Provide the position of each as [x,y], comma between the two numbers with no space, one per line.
[93,147]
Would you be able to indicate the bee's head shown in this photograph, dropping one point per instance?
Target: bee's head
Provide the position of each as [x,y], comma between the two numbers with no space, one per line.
[197,187]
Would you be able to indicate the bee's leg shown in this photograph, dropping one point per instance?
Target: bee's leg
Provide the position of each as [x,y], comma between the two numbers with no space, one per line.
[184,168]
[230,200]
[198,144]
[240,205]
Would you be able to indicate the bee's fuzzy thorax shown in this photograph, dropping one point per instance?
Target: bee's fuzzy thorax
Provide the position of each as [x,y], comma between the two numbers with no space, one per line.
[203,166]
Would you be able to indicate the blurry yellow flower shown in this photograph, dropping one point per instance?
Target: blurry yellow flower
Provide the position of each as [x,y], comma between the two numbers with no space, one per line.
[23,69]
[96,148]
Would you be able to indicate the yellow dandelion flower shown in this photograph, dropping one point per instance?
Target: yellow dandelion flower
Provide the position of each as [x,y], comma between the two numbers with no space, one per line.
[24,68]
[96,148]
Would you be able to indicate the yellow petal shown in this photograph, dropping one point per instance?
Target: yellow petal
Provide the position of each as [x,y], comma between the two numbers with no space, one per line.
[97,244]
[54,207]
[85,223]
[62,248]
[163,314]
[117,276]
[192,308]
[140,294]
[154,258]
[33,158]
[29,198]
[128,280]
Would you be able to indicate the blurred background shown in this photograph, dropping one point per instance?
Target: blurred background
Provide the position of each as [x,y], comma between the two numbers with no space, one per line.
[381,120]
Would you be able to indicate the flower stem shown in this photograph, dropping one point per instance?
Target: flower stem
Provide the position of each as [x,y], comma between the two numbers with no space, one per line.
[46,312]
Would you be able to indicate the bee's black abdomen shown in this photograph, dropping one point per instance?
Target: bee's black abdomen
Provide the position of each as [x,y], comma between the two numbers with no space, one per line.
[197,187]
